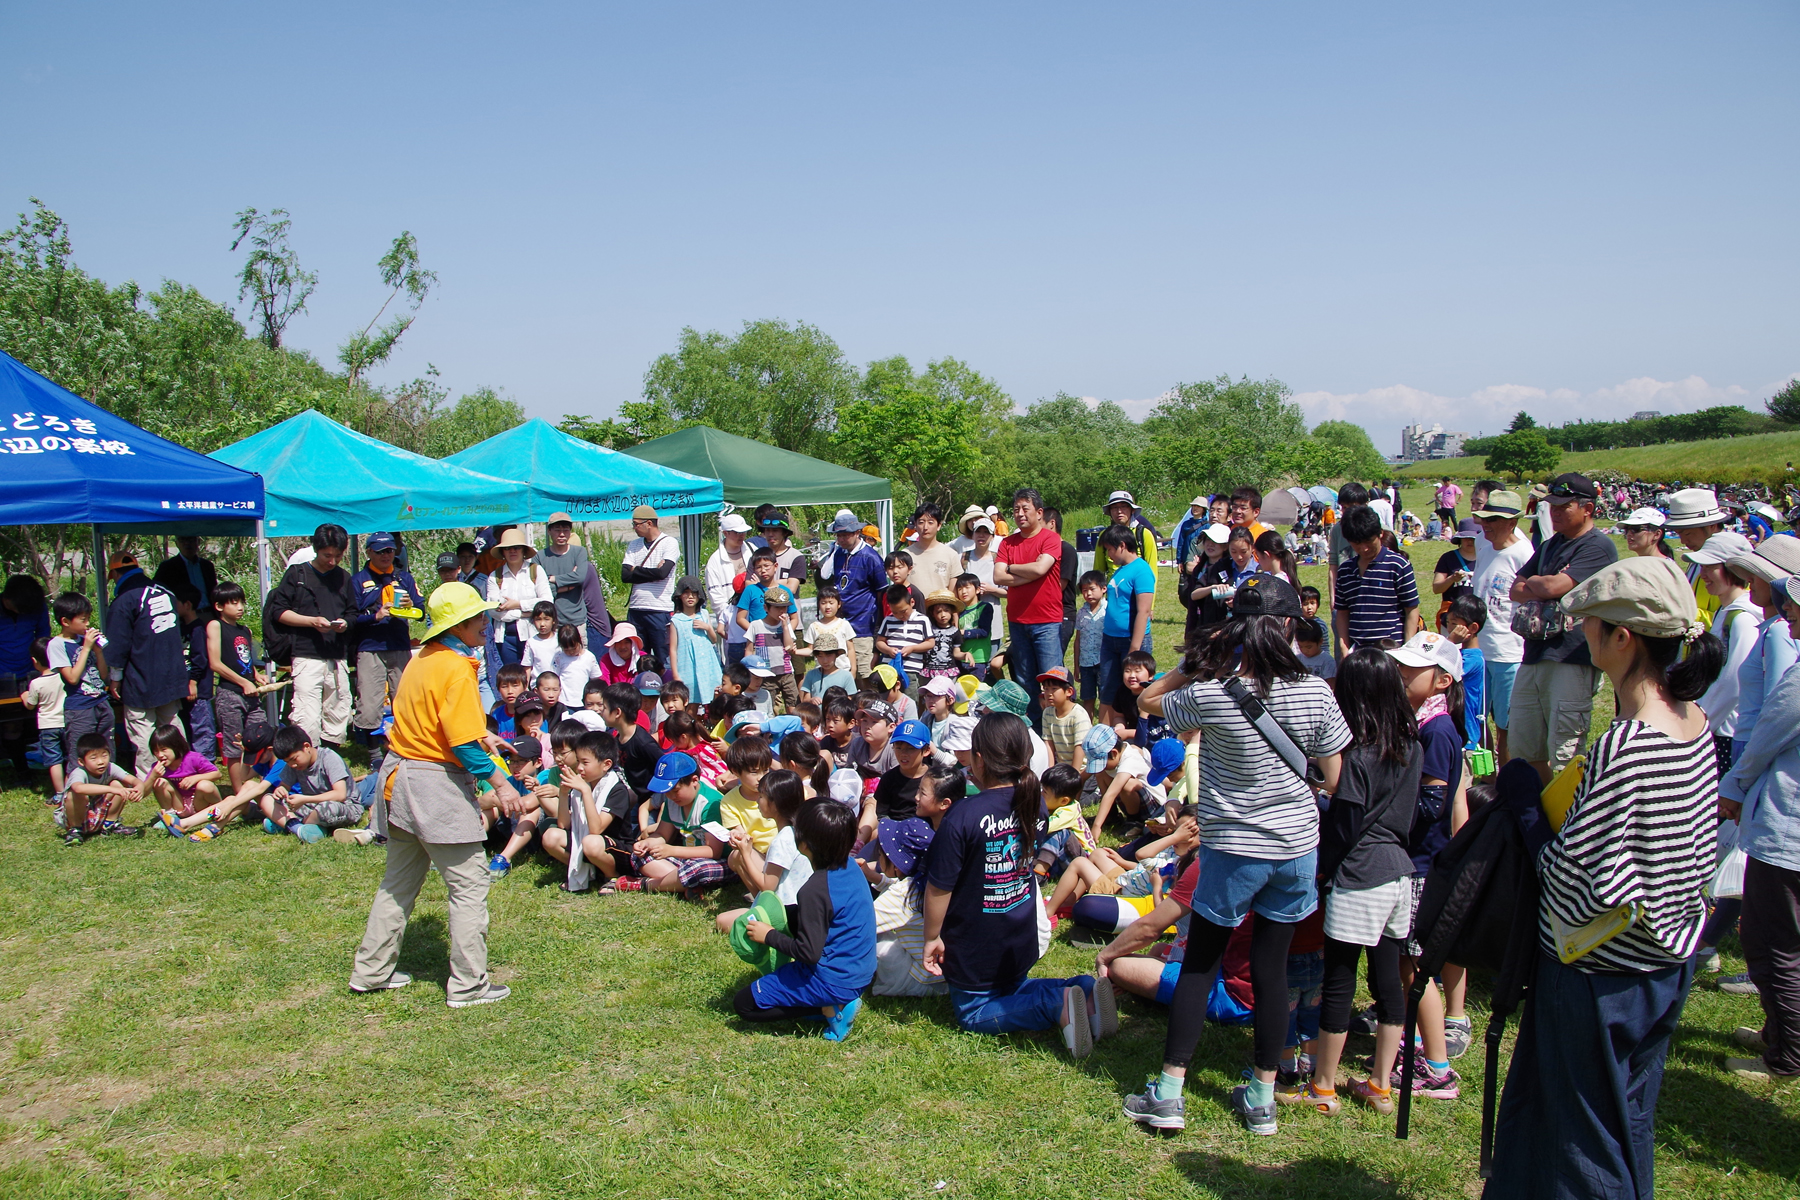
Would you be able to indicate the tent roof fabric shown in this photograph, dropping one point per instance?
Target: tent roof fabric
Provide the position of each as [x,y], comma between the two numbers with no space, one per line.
[318,471]
[589,482]
[70,462]
[757,473]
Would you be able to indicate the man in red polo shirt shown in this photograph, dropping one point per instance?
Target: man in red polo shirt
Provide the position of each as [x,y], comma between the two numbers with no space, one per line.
[1029,566]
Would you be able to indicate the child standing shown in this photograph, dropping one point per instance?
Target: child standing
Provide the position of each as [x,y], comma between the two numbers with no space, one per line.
[539,652]
[1309,645]
[197,709]
[229,653]
[694,634]
[977,623]
[830,622]
[45,695]
[1090,632]
[827,653]
[1065,723]
[904,633]
[1464,618]
[79,657]
[574,664]
[946,653]
[831,938]
[772,640]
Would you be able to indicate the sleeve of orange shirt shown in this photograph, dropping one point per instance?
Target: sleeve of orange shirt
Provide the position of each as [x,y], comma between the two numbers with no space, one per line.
[437,706]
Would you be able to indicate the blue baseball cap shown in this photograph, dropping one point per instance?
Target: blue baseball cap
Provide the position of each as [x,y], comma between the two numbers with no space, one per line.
[648,683]
[913,733]
[1166,758]
[671,769]
[380,541]
[756,664]
[904,842]
[1098,743]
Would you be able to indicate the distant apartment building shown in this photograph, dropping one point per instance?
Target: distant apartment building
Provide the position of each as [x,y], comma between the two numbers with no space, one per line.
[1418,442]
[1648,414]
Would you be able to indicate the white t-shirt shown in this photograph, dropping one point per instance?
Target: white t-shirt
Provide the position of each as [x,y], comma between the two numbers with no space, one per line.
[838,628]
[1384,510]
[1495,571]
[539,655]
[575,670]
[796,868]
[658,596]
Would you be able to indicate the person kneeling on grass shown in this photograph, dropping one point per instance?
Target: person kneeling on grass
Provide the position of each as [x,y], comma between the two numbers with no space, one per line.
[985,926]
[781,869]
[186,785]
[675,853]
[310,795]
[831,936]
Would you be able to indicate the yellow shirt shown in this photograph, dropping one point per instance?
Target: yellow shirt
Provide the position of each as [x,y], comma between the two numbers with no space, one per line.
[437,706]
[738,811]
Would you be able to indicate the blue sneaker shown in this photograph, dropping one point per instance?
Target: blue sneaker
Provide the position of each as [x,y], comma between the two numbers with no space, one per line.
[498,866]
[838,1028]
[309,833]
[271,827]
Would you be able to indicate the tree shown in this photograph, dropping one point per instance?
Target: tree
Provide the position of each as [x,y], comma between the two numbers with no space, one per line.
[1219,435]
[1072,453]
[1521,420]
[272,273]
[1784,405]
[1365,462]
[775,382]
[1521,453]
[638,422]
[400,270]
[929,428]
[475,417]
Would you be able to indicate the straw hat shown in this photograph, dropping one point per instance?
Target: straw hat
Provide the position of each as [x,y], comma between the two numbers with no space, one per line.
[970,515]
[516,537]
[941,597]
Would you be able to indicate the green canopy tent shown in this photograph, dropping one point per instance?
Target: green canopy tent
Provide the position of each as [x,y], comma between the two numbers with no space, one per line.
[755,472]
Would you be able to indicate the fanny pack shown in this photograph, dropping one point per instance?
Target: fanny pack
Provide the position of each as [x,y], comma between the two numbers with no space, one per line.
[1540,620]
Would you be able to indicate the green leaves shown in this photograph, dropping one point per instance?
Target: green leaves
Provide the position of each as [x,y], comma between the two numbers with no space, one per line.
[272,275]
[1784,405]
[1521,453]
[927,429]
[775,382]
[1214,436]
[1364,461]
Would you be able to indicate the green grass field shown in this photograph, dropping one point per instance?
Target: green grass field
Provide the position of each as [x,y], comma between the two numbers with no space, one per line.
[1758,458]
[176,1024]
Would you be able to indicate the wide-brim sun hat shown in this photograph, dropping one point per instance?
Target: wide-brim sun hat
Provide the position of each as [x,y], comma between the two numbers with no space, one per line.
[1694,506]
[451,604]
[515,537]
[1501,505]
[1722,548]
[942,597]
[969,516]
[1003,697]
[1783,551]
[622,632]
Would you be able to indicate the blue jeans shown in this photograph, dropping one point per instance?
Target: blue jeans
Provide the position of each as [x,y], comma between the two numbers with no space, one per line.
[1032,650]
[653,627]
[1028,1004]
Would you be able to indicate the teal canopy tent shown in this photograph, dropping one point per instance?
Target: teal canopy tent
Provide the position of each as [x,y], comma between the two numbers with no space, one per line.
[755,472]
[589,482]
[316,471]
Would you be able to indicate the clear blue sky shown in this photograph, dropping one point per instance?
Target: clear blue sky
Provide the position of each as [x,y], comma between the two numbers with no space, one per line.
[1567,208]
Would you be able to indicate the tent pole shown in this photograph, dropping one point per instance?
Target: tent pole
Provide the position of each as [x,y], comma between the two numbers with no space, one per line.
[99,553]
[690,543]
[262,563]
[884,510]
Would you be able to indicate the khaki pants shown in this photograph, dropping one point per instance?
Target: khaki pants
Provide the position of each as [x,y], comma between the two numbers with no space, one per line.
[377,682]
[862,653]
[464,870]
[1552,705]
[140,723]
[321,703]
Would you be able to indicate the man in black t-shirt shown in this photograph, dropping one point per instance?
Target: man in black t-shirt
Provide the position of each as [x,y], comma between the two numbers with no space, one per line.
[1553,695]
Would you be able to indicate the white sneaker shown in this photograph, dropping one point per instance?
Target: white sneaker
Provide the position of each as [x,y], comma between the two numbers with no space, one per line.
[1077,1032]
[398,979]
[495,993]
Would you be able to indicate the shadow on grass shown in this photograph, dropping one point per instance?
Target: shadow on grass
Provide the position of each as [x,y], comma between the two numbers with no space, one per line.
[1719,1123]
[425,951]
[1318,1175]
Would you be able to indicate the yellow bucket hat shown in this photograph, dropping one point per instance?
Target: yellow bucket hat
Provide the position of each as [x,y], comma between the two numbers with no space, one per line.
[452,604]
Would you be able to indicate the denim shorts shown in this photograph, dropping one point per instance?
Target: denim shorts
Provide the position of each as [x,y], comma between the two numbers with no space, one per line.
[1232,886]
[1500,678]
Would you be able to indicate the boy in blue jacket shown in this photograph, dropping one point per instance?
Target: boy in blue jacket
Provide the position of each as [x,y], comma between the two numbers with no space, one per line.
[831,934]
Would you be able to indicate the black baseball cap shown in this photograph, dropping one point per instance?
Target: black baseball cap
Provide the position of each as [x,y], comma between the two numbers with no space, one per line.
[1570,486]
[448,561]
[1266,595]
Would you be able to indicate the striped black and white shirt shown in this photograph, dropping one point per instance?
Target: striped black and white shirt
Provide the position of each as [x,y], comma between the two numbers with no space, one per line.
[1251,802]
[1643,829]
[1376,600]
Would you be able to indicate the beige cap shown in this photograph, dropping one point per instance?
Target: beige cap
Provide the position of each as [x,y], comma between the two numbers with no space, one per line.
[1646,594]
[559,517]
[643,512]
[827,642]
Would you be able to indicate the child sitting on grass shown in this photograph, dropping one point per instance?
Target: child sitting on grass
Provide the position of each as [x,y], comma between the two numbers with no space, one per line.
[98,792]
[316,781]
[186,786]
[896,860]
[638,751]
[1103,871]
[608,805]
[523,762]
[1065,723]
[1141,729]
[675,853]
[556,785]
[511,682]
[831,938]
[741,810]
[549,690]
[783,868]
[1067,838]
[681,731]
[1118,770]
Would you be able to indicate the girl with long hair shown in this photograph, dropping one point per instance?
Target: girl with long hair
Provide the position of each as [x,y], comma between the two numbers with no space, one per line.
[983,911]
[1274,557]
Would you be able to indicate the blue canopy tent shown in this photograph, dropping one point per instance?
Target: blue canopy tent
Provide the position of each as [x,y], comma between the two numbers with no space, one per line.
[70,462]
[590,482]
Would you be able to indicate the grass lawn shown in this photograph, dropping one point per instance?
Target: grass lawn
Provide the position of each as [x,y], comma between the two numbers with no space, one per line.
[1760,458]
[176,1023]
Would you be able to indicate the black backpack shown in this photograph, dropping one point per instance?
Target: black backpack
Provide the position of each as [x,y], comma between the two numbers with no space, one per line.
[1480,911]
[278,639]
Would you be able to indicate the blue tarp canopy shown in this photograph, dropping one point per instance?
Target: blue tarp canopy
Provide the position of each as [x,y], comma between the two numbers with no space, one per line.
[64,461]
[589,482]
[318,471]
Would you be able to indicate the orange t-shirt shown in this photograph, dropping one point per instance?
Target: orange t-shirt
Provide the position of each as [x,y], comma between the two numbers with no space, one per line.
[437,706]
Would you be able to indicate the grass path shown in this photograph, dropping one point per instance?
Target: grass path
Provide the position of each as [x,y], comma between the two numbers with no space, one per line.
[1758,457]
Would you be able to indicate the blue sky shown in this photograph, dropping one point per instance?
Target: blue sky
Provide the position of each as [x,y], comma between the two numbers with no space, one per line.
[1403,212]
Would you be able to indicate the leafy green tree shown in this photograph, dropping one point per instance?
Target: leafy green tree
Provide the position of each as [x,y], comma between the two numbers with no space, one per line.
[1223,434]
[1073,454]
[401,271]
[775,382]
[272,273]
[1365,462]
[1784,405]
[638,421]
[475,417]
[927,428]
[1521,420]
[1521,453]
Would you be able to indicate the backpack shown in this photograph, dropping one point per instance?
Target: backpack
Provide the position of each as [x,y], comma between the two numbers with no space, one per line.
[1480,911]
[278,640]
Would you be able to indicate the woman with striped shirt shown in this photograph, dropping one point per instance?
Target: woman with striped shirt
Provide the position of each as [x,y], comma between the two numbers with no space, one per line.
[1578,1117]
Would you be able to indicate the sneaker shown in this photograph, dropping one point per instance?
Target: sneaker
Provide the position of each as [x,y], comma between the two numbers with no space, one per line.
[1106,1009]
[838,1028]
[1749,1068]
[498,866]
[1382,1101]
[1077,1031]
[495,993]
[1458,1036]
[1750,1039]
[1444,1086]
[310,834]
[73,837]
[1738,985]
[1304,1093]
[397,979]
[271,827]
[114,829]
[1258,1118]
[1706,961]
[1364,1022]
[1169,1116]
[352,837]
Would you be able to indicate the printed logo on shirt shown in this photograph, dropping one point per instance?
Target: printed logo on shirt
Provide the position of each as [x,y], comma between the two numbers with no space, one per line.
[1004,884]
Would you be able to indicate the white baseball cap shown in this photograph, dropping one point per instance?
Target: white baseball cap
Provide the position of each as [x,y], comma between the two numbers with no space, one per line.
[1218,531]
[1645,516]
[732,523]
[1427,649]
[1722,548]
